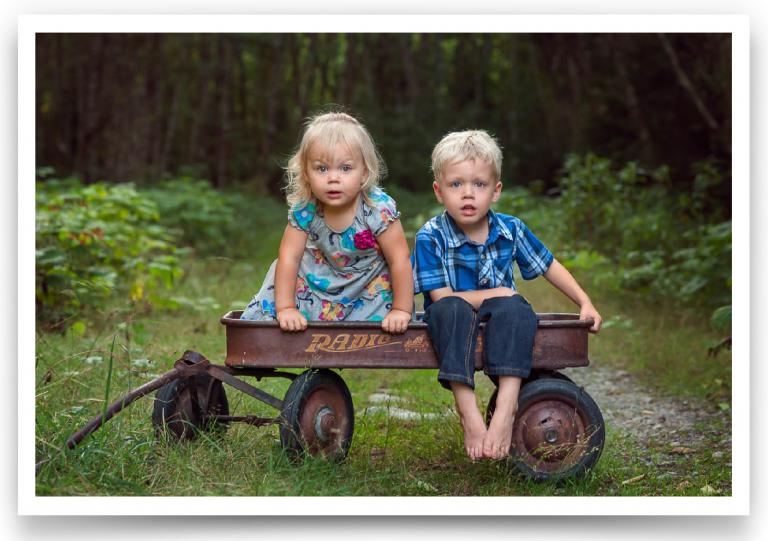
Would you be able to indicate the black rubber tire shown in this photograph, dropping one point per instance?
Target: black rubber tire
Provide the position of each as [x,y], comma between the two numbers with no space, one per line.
[311,396]
[173,414]
[587,441]
[535,376]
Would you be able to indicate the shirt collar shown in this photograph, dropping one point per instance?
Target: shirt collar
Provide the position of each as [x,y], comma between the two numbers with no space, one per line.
[455,237]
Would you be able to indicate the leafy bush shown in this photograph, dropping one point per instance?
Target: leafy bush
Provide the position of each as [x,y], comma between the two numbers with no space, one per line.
[632,231]
[199,215]
[92,241]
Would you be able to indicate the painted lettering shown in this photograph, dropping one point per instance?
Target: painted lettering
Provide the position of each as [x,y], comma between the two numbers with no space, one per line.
[318,341]
[340,343]
[358,341]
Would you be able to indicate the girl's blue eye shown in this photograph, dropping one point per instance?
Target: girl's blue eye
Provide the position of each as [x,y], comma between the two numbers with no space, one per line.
[322,168]
[346,168]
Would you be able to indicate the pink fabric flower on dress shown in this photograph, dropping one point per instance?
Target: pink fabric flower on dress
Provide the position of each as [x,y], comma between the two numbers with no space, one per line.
[364,240]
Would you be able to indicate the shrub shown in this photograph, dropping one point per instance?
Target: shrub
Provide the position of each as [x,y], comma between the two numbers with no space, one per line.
[632,231]
[200,216]
[93,241]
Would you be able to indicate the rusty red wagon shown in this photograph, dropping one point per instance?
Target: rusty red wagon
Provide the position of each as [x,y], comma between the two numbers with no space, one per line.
[558,431]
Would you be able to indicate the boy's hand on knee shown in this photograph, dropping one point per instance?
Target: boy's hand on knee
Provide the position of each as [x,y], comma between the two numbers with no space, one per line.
[291,320]
[587,311]
[396,322]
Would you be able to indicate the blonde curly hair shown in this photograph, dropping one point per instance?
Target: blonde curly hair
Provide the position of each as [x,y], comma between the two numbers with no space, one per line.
[329,130]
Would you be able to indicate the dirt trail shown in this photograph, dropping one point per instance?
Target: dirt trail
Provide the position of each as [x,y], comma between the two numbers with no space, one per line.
[636,412]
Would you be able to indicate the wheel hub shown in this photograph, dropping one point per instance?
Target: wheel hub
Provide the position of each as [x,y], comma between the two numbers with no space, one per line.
[551,435]
[548,433]
[325,423]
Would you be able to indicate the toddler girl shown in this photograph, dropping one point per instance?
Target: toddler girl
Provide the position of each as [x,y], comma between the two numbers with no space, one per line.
[343,255]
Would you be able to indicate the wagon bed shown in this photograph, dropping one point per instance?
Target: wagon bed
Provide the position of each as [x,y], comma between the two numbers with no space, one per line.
[561,342]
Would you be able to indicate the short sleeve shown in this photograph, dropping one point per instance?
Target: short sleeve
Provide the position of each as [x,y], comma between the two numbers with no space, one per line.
[301,217]
[429,264]
[532,257]
[382,213]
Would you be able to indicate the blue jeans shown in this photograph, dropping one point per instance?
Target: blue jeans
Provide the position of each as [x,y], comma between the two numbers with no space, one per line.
[509,331]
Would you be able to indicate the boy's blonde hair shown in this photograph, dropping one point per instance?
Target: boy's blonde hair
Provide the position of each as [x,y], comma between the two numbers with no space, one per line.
[329,130]
[466,145]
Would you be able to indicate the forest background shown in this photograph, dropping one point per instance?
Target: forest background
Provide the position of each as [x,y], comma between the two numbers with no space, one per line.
[160,159]
[626,136]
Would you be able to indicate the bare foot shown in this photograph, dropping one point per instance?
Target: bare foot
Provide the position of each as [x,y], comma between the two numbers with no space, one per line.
[471,419]
[498,437]
[474,435]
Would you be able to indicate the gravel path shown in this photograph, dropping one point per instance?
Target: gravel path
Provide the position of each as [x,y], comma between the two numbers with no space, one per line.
[630,409]
[638,413]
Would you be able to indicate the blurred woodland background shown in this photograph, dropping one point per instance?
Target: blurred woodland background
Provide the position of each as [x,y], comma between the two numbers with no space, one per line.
[228,107]
[158,208]
[617,147]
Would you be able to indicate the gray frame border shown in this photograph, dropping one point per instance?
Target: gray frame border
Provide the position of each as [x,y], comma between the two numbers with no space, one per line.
[13,527]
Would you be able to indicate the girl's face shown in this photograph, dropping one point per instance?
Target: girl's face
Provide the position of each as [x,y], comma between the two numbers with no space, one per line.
[336,176]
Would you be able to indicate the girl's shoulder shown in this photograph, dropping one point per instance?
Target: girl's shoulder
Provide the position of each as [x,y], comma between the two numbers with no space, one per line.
[380,199]
[382,212]
[301,216]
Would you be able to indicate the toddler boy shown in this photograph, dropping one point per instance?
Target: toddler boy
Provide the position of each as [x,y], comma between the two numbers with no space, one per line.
[462,263]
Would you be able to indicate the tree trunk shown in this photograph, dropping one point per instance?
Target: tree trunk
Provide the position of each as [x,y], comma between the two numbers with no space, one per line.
[347,86]
[322,53]
[223,81]
[170,129]
[632,101]
[686,83]
[308,82]
[411,83]
[203,89]
[273,95]
[541,92]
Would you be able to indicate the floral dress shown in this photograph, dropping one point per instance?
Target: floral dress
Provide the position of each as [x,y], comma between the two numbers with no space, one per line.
[343,274]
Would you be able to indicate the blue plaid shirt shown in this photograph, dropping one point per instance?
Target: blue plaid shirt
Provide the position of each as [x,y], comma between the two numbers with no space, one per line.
[443,256]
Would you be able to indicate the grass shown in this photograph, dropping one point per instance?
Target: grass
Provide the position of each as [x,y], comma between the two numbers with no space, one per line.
[388,456]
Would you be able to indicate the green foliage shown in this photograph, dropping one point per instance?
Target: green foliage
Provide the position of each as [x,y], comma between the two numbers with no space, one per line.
[93,241]
[199,215]
[721,317]
[631,231]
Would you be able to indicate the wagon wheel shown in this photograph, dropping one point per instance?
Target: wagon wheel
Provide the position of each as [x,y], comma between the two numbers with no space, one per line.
[558,431]
[535,375]
[175,412]
[317,416]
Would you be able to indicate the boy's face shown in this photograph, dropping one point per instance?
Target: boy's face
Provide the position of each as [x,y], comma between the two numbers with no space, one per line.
[467,190]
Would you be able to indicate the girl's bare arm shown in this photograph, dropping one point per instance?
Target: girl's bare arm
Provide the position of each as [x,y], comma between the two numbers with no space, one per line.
[287,269]
[394,246]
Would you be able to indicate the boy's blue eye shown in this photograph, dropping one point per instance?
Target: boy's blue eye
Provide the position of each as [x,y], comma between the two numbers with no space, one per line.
[456,184]
[480,184]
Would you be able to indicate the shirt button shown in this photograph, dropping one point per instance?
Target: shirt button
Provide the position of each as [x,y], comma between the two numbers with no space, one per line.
[484,281]
[482,256]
